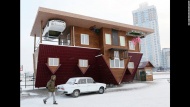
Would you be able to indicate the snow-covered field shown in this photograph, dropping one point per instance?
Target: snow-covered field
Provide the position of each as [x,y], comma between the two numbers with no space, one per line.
[136,94]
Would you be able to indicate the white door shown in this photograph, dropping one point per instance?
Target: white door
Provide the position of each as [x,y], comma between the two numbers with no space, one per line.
[91,85]
[82,85]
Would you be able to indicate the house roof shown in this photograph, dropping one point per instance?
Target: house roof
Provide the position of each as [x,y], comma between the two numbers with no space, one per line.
[145,64]
[71,19]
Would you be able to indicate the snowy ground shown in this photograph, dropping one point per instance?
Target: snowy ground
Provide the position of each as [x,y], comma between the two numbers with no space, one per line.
[135,94]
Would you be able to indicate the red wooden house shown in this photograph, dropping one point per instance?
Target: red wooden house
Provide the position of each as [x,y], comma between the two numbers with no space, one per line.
[108,56]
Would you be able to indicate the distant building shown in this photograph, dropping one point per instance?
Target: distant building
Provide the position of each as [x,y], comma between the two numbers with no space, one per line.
[144,71]
[146,16]
[166,58]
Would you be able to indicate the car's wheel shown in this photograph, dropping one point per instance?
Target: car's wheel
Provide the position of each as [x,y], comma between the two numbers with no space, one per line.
[76,93]
[101,90]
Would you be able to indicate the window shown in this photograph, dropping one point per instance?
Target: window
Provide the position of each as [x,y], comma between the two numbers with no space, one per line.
[108,38]
[90,80]
[131,45]
[115,37]
[116,62]
[135,18]
[71,81]
[122,41]
[54,33]
[53,61]
[82,81]
[131,65]
[84,39]
[83,63]
[148,72]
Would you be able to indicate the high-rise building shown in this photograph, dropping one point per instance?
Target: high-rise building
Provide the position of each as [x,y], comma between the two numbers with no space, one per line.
[166,58]
[146,16]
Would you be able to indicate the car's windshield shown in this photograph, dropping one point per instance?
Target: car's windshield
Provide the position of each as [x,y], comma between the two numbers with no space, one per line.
[54,33]
[71,81]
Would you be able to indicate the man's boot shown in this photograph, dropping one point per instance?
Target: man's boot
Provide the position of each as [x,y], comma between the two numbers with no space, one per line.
[44,101]
[55,102]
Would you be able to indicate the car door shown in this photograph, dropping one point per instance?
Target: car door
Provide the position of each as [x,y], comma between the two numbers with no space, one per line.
[82,85]
[91,85]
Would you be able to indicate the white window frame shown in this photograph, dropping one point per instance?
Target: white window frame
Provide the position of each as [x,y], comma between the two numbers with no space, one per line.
[108,38]
[131,65]
[122,40]
[148,72]
[131,45]
[53,61]
[83,63]
[113,63]
[84,39]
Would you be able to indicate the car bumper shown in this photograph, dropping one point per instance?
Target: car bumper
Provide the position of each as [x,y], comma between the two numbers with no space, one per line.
[60,90]
[65,92]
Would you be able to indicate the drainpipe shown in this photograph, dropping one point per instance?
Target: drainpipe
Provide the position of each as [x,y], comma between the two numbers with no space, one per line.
[25,80]
[34,62]
[139,47]
[33,81]
[34,42]
[41,31]
[73,35]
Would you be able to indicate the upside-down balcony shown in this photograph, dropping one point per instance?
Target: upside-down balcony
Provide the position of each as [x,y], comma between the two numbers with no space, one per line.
[123,53]
[135,33]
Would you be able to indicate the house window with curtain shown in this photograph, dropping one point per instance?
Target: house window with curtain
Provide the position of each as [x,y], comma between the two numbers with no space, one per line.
[122,40]
[53,61]
[131,65]
[83,63]
[84,39]
[116,62]
[131,45]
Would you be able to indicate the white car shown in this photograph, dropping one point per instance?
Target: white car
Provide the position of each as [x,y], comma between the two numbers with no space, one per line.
[53,29]
[76,85]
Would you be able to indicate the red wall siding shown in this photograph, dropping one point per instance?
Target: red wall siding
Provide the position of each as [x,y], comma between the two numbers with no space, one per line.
[68,59]
[69,56]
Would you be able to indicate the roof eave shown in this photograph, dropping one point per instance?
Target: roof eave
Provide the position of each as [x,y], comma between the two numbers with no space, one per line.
[44,14]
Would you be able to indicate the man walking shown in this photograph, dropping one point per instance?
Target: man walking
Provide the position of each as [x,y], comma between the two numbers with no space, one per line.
[51,89]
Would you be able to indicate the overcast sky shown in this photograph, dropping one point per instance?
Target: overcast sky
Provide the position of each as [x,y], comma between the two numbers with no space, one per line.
[114,10]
